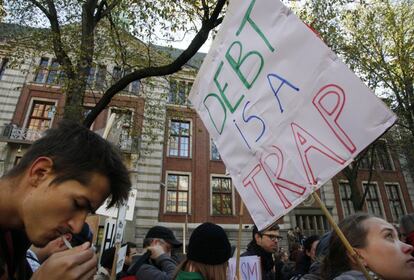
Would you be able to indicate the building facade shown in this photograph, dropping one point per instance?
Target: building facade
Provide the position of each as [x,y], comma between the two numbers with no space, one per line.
[175,166]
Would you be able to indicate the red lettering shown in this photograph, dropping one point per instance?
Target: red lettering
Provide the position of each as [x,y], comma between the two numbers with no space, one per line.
[249,180]
[279,184]
[331,113]
[306,142]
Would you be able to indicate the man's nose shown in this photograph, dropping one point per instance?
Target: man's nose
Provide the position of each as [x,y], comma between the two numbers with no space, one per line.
[77,221]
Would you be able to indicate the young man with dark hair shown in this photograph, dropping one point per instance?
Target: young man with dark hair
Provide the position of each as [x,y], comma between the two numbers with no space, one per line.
[264,244]
[63,176]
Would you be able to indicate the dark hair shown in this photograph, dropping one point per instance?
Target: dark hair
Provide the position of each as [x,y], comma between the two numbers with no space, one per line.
[76,153]
[107,258]
[260,233]
[147,242]
[337,260]
[307,243]
[129,246]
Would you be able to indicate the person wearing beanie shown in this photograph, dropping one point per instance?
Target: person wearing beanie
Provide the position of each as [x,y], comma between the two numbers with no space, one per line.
[208,251]
[264,244]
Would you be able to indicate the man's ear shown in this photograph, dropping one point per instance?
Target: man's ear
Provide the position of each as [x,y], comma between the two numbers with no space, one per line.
[257,237]
[39,169]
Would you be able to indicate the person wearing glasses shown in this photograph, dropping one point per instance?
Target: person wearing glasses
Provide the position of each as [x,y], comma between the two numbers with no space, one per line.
[264,244]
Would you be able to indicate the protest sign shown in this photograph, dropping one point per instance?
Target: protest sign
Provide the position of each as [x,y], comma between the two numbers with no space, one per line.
[112,212]
[121,258]
[250,268]
[285,113]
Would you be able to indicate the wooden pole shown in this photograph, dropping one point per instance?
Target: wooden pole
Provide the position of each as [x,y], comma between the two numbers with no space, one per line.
[239,240]
[341,236]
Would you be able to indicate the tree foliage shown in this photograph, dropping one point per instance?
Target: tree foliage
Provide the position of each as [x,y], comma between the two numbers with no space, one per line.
[84,33]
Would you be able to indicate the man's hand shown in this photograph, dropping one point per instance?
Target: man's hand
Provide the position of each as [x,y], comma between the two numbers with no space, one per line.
[156,250]
[77,263]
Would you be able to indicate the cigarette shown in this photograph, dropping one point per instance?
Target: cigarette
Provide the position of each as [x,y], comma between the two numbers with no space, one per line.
[66,242]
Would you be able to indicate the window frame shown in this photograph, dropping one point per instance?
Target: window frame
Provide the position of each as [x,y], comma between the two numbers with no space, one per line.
[211,151]
[42,69]
[348,200]
[190,136]
[233,207]
[177,173]
[131,121]
[30,110]
[3,63]
[387,153]
[401,197]
[188,84]
[380,201]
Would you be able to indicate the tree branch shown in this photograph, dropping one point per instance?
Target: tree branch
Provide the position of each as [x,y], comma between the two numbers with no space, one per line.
[196,43]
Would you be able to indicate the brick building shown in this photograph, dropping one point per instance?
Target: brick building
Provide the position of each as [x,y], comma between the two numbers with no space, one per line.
[180,176]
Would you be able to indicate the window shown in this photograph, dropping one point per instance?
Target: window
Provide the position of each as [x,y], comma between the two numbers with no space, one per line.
[312,224]
[52,77]
[100,77]
[3,64]
[214,151]
[42,70]
[384,159]
[122,126]
[133,87]
[179,140]
[373,200]
[396,204]
[41,115]
[177,193]
[91,76]
[345,195]
[365,162]
[222,196]
[179,91]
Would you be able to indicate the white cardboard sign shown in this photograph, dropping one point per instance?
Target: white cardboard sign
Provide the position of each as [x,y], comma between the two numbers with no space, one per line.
[112,212]
[285,113]
[250,268]
[121,258]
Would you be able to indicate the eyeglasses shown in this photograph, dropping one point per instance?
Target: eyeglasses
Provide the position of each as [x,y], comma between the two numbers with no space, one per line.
[273,237]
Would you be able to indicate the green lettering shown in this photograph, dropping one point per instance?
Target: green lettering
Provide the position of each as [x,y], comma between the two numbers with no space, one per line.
[222,91]
[248,19]
[213,95]
[236,64]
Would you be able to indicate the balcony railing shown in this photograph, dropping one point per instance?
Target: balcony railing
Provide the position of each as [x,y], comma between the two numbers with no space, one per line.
[14,133]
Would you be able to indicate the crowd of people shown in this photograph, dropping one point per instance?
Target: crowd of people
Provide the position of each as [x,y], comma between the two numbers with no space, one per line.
[67,174]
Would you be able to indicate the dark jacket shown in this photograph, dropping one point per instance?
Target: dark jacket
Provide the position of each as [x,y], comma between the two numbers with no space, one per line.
[13,247]
[303,264]
[162,268]
[266,259]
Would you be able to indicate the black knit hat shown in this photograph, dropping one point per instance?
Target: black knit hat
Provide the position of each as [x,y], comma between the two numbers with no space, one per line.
[209,245]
